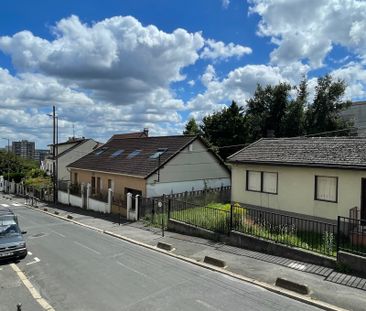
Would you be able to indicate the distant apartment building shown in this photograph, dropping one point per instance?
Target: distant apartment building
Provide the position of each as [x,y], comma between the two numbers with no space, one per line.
[357,114]
[40,155]
[24,149]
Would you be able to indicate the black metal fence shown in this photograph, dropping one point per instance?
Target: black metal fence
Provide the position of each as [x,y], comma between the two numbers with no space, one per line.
[206,217]
[317,236]
[102,196]
[154,211]
[352,235]
[75,189]
[313,235]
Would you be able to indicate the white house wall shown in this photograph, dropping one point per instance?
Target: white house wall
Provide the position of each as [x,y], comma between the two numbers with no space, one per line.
[72,156]
[296,190]
[189,170]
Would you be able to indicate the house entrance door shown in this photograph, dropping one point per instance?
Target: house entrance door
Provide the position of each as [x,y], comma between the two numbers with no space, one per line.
[363,200]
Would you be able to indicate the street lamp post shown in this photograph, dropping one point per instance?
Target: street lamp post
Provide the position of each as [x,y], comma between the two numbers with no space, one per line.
[8,162]
[55,153]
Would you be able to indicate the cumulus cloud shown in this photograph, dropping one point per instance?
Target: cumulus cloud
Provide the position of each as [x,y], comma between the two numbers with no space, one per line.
[225,3]
[309,29]
[239,85]
[218,50]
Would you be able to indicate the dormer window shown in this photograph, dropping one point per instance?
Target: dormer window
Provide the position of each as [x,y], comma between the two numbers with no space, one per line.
[158,153]
[133,154]
[101,150]
[117,153]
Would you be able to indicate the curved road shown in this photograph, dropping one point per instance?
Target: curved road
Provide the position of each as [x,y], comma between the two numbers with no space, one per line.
[77,269]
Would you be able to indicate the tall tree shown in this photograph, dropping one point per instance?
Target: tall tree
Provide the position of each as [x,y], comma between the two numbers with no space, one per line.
[225,128]
[192,128]
[294,121]
[267,110]
[324,113]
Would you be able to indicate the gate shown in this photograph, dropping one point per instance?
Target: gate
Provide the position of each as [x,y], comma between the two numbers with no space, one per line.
[119,205]
[84,196]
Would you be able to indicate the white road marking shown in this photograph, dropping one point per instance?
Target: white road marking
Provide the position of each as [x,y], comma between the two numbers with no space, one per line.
[207,305]
[16,204]
[59,234]
[36,295]
[133,270]
[88,248]
[30,253]
[297,266]
[5,205]
[36,259]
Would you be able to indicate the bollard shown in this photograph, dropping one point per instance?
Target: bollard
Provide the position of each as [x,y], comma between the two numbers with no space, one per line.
[19,307]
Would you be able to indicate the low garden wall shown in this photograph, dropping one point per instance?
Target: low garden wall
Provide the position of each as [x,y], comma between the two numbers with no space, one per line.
[356,263]
[63,197]
[76,201]
[98,206]
[242,240]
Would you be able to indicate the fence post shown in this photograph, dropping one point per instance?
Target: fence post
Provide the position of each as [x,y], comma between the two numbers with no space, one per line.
[231,217]
[110,194]
[338,233]
[169,207]
[137,204]
[68,193]
[88,188]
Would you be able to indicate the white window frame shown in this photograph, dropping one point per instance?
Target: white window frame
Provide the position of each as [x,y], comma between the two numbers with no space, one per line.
[316,187]
[261,188]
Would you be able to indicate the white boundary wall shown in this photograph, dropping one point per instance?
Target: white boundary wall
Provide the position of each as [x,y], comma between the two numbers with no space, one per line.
[76,201]
[63,197]
[98,206]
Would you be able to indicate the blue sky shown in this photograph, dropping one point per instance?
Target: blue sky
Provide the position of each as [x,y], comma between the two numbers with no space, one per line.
[117,66]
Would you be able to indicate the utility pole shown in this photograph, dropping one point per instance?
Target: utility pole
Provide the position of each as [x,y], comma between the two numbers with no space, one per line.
[8,163]
[54,155]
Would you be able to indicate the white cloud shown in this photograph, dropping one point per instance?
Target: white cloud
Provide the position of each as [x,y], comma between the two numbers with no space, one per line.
[118,59]
[221,51]
[239,85]
[308,29]
[225,3]
[191,82]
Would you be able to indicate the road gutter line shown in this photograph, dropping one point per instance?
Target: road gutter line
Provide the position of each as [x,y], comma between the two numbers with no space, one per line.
[304,299]
[35,294]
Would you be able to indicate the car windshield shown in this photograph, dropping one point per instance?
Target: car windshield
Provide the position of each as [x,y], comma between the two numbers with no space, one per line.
[8,227]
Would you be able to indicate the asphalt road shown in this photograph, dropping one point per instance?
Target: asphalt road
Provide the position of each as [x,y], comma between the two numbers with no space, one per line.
[75,268]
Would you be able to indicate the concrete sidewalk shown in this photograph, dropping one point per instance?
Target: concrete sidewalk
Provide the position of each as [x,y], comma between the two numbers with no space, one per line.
[326,285]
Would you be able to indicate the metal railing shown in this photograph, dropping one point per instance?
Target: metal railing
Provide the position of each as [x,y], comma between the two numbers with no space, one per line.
[313,235]
[352,235]
[210,218]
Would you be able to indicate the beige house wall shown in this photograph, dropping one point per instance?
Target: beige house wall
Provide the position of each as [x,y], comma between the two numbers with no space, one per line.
[119,182]
[296,190]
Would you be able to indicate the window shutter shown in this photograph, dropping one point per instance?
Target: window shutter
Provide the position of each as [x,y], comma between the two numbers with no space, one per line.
[254,181]
[269,182]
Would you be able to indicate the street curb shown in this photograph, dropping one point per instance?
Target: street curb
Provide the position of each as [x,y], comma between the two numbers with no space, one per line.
[215,262]
[293,286]
[304,299]
[165,246]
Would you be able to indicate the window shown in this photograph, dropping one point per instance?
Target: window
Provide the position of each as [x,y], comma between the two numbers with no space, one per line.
[262,181]
[75,178]
[93,185]
[117,153]
[158,153]
[100,150]
[326,188]
[133,154]
[98,185]
[109,183]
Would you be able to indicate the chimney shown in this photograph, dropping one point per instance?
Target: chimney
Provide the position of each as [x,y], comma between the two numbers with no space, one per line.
[146,132]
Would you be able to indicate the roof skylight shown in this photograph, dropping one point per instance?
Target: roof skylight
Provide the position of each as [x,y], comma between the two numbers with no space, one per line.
[158,153]
[101,150]
[117,153]
[133,154]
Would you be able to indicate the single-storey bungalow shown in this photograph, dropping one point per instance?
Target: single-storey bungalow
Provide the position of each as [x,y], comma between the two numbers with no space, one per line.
[320,177]
[151,166]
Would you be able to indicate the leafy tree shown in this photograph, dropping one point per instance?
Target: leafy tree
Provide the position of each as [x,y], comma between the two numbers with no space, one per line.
[324,114]
[294,121]
[16,166]
[192,128]
[225,128]
[267,111]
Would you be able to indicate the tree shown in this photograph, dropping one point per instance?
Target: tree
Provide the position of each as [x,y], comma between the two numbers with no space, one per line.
[324,113]
[267,110]
[225,128]
[294,121]
[192,128]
